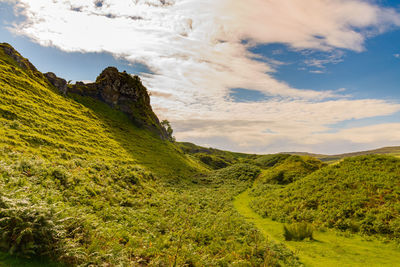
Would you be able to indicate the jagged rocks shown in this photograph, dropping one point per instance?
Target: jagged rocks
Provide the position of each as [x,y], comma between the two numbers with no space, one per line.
[59,83]
[120,90]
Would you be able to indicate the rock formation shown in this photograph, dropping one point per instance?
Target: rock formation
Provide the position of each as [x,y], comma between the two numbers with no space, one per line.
[59,83]
[119,90]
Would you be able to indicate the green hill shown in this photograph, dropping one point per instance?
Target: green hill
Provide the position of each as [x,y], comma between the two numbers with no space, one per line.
[393,151]
[87,177]
[36,118]
[359,194]
[215,158]
[285,169]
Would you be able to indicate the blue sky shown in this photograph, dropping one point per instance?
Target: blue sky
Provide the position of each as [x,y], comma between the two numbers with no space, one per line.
[75,66]
[312,87]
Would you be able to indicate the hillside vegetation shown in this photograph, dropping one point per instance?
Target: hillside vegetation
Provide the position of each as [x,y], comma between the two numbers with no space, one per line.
[215,158]
[391,150]
[359,194]
[285,169]
[81,184]
[35,118]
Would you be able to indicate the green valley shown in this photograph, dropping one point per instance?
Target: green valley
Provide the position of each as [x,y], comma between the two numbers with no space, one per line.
[89,176]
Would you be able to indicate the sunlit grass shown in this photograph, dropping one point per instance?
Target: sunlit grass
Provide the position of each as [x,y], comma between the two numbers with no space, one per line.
[330,248]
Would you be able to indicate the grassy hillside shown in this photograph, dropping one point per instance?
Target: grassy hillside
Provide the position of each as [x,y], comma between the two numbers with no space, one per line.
[36,119]
[215,158]
[284,169]
[359,194]
[81,184]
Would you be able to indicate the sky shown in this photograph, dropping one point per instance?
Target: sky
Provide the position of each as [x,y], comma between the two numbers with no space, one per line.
[258,76]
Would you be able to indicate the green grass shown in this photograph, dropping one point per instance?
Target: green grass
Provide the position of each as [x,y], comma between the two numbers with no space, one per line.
[330,248]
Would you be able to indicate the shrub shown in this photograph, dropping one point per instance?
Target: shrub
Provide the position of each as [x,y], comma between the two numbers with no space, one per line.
[214,162]
[298,231]
[60,173]
[241,172]
[28,229]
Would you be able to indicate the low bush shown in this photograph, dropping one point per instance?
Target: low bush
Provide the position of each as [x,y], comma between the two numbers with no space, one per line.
[298,231]
[29,229]
[214,162]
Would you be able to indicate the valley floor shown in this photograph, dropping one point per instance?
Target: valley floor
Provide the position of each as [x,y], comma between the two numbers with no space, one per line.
[330,248]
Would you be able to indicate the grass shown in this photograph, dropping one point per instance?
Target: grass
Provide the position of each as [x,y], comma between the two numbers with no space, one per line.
[330,248]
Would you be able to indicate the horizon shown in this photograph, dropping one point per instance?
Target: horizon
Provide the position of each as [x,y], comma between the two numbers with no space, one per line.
[222,77]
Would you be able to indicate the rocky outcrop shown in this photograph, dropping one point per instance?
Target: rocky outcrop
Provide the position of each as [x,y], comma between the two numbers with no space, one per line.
[20,60]
[120,90]
[59,83]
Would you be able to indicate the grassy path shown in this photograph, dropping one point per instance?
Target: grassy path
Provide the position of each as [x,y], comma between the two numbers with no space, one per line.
[329,248]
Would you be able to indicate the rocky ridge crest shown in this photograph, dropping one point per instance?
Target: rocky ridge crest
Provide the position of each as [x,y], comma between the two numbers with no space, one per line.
[119,90]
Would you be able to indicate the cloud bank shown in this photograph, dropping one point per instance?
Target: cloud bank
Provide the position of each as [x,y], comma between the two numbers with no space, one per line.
[198,50]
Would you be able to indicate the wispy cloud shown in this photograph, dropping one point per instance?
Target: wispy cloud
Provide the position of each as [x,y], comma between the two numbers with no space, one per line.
[396,55]
[196,54]
[317,71]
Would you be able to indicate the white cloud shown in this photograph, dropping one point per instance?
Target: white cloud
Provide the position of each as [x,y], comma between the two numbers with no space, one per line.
[396,55]
[196,52]
[317,71]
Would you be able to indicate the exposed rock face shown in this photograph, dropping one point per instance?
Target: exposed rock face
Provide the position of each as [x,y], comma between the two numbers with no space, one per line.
[119,90]
[59,83]
[20,60]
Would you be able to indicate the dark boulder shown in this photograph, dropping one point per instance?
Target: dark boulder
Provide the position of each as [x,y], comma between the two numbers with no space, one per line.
[59,83]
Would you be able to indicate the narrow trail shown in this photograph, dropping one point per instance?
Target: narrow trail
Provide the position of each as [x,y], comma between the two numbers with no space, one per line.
[330,248]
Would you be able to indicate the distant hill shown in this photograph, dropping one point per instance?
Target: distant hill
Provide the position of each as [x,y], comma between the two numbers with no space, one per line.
[394,150]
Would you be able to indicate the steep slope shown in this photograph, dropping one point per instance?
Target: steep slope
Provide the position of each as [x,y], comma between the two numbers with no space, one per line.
[35,117]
